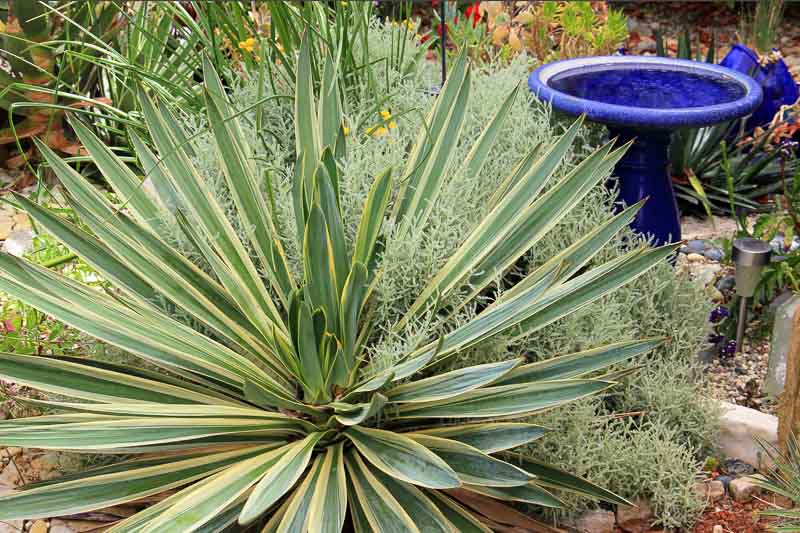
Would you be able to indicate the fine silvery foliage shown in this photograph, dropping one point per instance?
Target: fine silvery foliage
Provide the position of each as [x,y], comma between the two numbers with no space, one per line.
[277,416]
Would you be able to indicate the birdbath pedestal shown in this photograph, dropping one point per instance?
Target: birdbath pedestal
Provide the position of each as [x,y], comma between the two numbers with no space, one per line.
[645,99]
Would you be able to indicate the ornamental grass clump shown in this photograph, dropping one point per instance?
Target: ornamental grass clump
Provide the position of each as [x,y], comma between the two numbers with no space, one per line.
[273,411]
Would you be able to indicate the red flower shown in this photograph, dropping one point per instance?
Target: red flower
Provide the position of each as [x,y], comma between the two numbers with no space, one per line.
[474,12]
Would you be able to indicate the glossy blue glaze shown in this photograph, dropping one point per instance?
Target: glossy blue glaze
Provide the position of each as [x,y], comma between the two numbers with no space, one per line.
[645,99]
[774,78]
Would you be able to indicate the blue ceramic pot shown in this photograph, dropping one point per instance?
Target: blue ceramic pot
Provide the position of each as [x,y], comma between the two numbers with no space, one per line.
[774,78]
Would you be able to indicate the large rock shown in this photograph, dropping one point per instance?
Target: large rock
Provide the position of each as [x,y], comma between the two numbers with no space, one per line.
[710,491]
[11,526]
[636,519]
[744,488]
[596,522]
[740,430]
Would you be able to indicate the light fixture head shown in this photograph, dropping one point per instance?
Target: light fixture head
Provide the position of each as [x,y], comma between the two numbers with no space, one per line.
[750,256]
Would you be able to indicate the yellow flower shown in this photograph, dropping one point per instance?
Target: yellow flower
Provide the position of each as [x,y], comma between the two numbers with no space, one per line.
[346,130]
[2,26]
[248,45]
[392,125]
[377,131]
[409,24]
[385,115]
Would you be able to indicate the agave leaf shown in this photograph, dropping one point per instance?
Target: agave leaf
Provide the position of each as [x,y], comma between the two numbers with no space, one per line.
[488,437]
[452,383]
[402,458]
[280,478]
[473,466]
[371,502]
[506,400]
[133,481]
[329,500]
[579,363]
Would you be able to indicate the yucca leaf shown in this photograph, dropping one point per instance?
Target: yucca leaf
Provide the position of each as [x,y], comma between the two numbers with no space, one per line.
[463,520]
[551,476]
[501,221]
[452,383]
[373,503]
[353,414]
[132,482]
[579,363]
[236,159]
[327,197]
[329,112]
[480,150]
[471,465]
[201,502]
[426,515]
[369,227]
[280,478]
[272,399]
[528,493]
[506,400]
[207,216]
[329,500]
[101,432]
[402,458]
[353,296]
[298,513]
[309,357]
[153,171]
[321,286]
[95,384]
[489,437]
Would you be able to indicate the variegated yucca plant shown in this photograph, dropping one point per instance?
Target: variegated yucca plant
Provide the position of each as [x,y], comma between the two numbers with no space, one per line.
[275,417]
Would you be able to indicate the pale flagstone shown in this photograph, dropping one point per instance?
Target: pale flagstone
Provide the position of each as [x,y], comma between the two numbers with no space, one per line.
[741,428]
[11,526]
[22,221]
[9,477]
[40,526]
[60,526]
[6,225]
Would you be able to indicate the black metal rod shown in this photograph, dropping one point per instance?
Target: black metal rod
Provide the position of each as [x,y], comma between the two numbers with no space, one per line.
[443,39]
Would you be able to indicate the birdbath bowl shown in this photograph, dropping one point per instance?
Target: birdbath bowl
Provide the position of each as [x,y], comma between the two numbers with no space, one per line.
[645,99]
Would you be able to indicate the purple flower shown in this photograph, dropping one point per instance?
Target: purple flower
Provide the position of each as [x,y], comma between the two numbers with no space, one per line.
[718,313]
[728,349]
[714,338]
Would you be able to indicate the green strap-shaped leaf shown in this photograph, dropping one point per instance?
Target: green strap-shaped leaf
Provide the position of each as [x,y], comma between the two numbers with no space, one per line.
[236,158]
[425,513]
[102,432]
[353,297]
[280,478]
[369,227]
[551,476]
[371,502]
[329,500]
[402,458]
[133,480]
[480,151]
[297,514]
[353,414]
[463,521]
[89,383]
[506,400]
[579,363]
[473,466]
[201,502]
[449,384]
[528,493]
[489,437]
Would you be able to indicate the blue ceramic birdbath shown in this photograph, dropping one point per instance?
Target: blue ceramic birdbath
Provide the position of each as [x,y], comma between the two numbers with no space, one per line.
[646,99]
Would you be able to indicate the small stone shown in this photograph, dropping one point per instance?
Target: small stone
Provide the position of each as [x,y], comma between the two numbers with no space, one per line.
[709,491]
[13,451]
[726,283]
[718,529]
[706,274]
[714,254]
[714,294]
[22,221]
[596,522]
[40,526]
[725,480]
[9,477]
[694,258]
[59,526]
[19,242]
[635,519]
[744,488]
